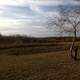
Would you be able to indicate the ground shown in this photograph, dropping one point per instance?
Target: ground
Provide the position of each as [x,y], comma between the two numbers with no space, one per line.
[44,66]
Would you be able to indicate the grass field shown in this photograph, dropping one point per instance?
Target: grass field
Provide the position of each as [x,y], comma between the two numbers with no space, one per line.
[47,59]
[49,66]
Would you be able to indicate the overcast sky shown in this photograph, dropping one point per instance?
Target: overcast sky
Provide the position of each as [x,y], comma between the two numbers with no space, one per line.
[27,16]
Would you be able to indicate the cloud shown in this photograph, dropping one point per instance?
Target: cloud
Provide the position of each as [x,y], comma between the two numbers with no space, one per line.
[41,2]
[26,9]
[71,2]
[36,8]
[35,4]
[8,2]
[27,16]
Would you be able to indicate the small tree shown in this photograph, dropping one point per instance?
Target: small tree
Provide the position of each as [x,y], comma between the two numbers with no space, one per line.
[68,21]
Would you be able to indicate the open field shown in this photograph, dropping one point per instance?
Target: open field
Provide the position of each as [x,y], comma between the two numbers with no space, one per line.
[49,66]
[38,60]
[34,48]
[20,45]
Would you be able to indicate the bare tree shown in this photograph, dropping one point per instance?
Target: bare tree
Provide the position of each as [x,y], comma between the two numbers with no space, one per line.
[71,24]
[68,21]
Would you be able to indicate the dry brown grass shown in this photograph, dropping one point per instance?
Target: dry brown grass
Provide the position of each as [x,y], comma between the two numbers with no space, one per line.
[32,48]
[52,62]
[49,66]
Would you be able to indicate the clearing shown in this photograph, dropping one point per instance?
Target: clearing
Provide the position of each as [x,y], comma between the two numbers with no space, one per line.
[45,66]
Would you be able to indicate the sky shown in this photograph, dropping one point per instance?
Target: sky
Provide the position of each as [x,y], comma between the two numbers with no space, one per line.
[28,17]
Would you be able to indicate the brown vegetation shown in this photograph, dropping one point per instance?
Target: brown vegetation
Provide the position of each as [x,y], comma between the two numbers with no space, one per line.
[56,64]
[49,66]
[19,45]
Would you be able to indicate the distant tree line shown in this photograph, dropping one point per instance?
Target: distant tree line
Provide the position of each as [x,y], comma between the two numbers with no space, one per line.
[18,39]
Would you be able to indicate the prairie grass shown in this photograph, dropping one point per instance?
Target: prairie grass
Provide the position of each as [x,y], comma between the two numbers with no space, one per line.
[49,66]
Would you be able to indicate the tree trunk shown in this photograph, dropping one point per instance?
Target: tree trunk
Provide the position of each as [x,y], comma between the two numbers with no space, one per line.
[75,35]
[73,47]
